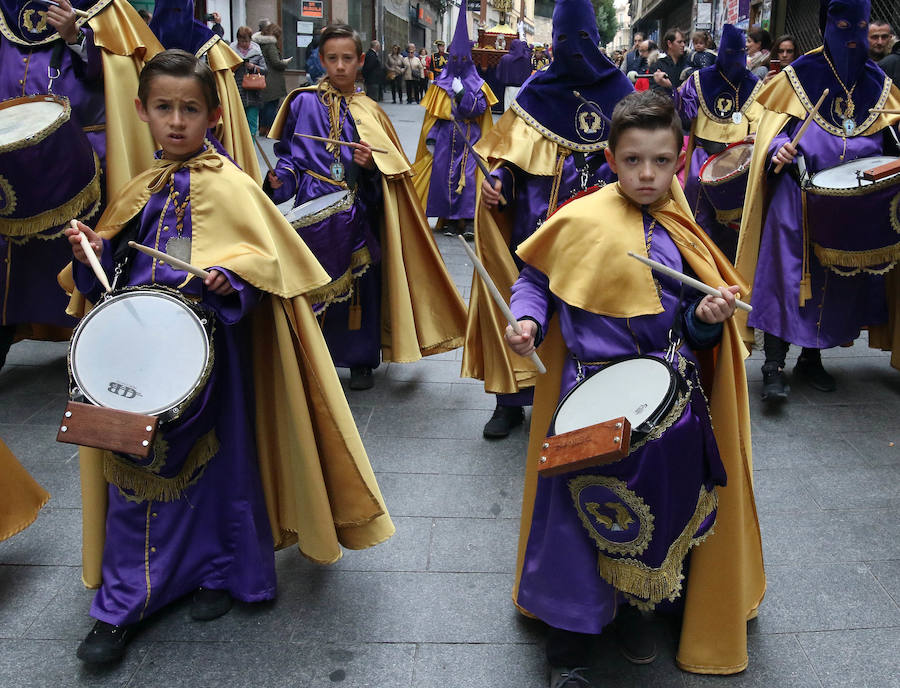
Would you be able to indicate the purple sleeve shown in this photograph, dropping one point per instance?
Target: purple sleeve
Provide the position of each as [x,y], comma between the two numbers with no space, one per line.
[86,281]
[783,137]
[89,67]
[508,182]
[531,298]
[285,169]
[231,308]
[686,101]
[472,104]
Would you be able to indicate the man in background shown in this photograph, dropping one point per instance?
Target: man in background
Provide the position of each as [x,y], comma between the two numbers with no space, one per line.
[373,72]
[881,39]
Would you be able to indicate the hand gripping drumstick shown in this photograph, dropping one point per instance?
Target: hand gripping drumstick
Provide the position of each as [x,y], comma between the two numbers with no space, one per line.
[806,123]
[478,160]
[78,12]
[92,257]
[339,143]
[498,299]
[166,258]
[690,281]
[263,154]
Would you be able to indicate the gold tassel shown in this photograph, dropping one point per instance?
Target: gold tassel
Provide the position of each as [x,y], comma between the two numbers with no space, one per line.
[857,259]
[805,290]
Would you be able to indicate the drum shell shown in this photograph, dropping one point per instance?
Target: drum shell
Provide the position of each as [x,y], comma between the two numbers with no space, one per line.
[49,177]
[726,194]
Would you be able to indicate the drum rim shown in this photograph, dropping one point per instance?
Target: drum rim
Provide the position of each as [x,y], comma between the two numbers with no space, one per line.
[344,203]
[739,172]
[864,190]
[46,131]
[175,409]
[670,394]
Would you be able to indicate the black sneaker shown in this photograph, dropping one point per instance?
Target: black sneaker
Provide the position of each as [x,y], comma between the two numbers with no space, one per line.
[564,677]
[505,418]
[810,369]
[361,378]
[635,635]
[210,604]
[775,386]
[105,643]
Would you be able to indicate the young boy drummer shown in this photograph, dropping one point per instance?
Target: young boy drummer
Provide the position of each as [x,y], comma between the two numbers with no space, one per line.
[239,470]
[585,303]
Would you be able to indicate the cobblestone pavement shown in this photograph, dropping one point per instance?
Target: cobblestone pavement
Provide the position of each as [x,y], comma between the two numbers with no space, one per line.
[431,608]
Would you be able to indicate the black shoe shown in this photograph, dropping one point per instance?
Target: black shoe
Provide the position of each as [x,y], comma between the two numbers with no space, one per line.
[451,230]
[635,635]
[469,235]
[563,677]
[811,370]
[775,387]
[210,604]
[105,643]
[361,378]
[505,418]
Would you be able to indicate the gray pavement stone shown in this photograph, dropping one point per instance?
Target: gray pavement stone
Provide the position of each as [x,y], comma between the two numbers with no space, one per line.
[880,447]
[782,490]
[429,423]
[369,665]
[427,370]
[25,591]
[67,617]
[888,574]
[474,545]
[447,456]
[456,496]
[52,540]
[45,663]
[855,487]
[827,447]
[477,666]
[865,657]
[35,445]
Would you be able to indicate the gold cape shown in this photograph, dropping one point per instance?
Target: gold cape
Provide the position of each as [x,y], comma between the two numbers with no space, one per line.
[783,98]
[727,580]
[437,106]
[21,498]
[319,488]
[422,312]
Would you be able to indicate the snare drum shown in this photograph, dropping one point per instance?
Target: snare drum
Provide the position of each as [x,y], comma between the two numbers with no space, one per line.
[852,223]
[723,178]
[49,173]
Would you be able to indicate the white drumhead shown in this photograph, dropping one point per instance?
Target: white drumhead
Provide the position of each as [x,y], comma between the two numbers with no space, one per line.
[844,176]
[141,351]
[22,120]
[316,205]
[726,163]
[633,388]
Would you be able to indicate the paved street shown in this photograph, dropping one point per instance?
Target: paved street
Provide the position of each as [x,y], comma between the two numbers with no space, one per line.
[431,608]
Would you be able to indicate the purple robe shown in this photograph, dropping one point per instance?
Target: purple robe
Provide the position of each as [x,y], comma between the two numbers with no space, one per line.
[839,306]
[217,534]
[332,240]
[559,582]
[28,287]
[453,160]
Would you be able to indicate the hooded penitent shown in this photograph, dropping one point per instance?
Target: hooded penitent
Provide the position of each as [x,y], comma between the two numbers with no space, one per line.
[547,100]
[460,62]
[174,24]
[719,81]
[515,67]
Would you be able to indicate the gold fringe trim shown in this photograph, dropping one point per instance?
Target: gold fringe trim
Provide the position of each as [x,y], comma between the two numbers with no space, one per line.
[341,288]
[74,207]
[147,485]
[725,216]
[652,585]
[857,259]
[805,287]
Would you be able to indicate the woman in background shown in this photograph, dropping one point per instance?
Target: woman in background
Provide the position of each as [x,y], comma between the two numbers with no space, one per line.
[759,43]
[254,62]
[396,65]
[269,40]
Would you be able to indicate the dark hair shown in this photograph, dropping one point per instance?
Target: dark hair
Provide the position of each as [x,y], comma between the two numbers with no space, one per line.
[244,31]
[762,37]
[340,31]
[183,65]
[671,36]
[702,35]
[639,33]
[882,22]
[787,37]
[645,110]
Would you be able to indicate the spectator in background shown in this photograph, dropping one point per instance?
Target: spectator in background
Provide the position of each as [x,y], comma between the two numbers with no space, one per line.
[618,57]
[216,20]
[759,42]
[253,62]
[704,54]
[890,63]
[414,71]
[269,40]
[438,59]
[632,61]
[669,68]
[263,23]
[426,73]
[145,15]
[881,38]
[539,59]
[785,51]
[396,68]
[314,68]
[373,72]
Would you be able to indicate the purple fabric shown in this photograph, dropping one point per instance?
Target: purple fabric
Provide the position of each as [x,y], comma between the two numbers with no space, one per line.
[732,63]
[217,534]
[174,24]
[559,582]
[25,18]
[839,306]
[444,198]
[847,45]
[459,63]
[515,66]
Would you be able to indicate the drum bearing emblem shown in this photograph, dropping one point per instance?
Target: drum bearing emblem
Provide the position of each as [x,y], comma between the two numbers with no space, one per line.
[122,390]
[7,197]
[616,518]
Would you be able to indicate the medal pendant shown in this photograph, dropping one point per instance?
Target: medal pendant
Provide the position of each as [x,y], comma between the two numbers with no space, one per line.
[849,126]
[180,248]
[737,117]
[337,171]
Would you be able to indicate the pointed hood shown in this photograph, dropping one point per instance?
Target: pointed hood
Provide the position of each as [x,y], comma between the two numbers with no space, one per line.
[515,66]
[174,24]
[718,81]
[732,58]
[844,25]
[459,61]
[547,102]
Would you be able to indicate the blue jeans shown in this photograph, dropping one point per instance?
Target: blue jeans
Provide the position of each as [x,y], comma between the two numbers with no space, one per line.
[252,112]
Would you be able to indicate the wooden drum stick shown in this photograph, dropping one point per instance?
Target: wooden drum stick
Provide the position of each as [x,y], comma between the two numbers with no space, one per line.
[92,257]
[498,299]
[809,120]
[165,257]
[478,160]
[263,154]
[690,281]
[78,12]
[340,143]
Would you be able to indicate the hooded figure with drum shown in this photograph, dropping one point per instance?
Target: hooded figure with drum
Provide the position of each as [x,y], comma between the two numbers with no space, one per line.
[720,102]
[818,236]
[66,142]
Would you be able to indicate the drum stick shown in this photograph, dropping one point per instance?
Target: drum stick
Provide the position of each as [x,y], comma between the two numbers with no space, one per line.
[339,143]
[690,281]
[166,258]
[263,154]
[78,12]
[806,123]
[498,299]
[478,161]
[92,257]
[590,104]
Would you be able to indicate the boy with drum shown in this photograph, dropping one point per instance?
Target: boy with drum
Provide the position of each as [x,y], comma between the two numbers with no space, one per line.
[239,470]
[355,206]
[603,543]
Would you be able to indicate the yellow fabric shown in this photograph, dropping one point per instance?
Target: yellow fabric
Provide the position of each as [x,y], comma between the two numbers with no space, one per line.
[21,498]
[319,488]
[727,579]
[437,106]
[422,312]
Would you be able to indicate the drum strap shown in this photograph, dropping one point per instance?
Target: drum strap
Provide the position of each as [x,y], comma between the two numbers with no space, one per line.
[53,70]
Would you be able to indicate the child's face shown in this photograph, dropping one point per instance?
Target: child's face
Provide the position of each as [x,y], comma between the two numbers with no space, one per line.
[645,161]
[699,45]
[178,115]
[341,62]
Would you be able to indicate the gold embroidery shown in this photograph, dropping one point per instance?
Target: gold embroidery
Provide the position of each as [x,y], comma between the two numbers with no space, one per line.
[629,503]
[556,138]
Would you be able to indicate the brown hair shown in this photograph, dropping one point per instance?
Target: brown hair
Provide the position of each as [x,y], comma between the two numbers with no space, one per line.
[183,65]
[340,31]
[244,31]
[645,110]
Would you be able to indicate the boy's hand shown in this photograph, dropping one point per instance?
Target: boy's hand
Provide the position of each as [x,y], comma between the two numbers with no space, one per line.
[218,283]
[716,309]
[785,154]
[74,236]
[274,181]
[491,194]
[362,155]
[522,344]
